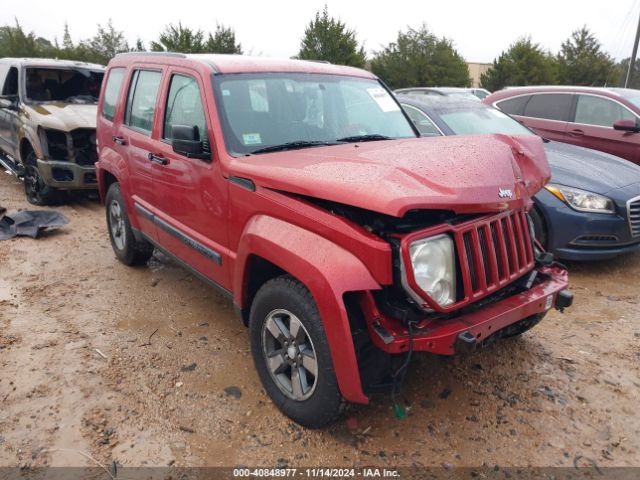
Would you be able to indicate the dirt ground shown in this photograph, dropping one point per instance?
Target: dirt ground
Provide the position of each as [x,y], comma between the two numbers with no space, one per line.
[81,374]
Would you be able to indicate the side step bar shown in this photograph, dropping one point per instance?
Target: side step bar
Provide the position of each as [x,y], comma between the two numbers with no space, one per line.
[14,167]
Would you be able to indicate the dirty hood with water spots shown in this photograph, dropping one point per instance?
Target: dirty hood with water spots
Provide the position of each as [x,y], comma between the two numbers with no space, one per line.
[62,116]
[465,174]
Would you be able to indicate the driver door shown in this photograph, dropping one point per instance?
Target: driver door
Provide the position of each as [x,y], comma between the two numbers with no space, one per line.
[190,193]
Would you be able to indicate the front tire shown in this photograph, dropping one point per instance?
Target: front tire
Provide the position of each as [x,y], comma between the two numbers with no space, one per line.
[291,353]
[36,191]
[127,249]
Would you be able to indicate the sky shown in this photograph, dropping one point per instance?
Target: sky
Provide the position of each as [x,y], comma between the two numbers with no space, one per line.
[480,30]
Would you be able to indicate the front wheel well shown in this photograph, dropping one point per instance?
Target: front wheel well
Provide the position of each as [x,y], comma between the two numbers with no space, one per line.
[541,225]
[25,148]
[109,179]
[258,272]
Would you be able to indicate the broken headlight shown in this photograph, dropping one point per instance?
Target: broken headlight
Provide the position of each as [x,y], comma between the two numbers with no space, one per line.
[54,144]
[434,269]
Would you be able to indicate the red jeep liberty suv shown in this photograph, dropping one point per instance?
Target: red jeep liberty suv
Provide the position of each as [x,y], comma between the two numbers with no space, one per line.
[301,191]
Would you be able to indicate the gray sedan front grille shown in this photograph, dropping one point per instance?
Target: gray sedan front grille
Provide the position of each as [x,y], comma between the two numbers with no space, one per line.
[633,210]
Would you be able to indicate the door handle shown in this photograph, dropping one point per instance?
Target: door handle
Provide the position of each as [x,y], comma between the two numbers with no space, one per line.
[119,140]
[576,132]
[159,159]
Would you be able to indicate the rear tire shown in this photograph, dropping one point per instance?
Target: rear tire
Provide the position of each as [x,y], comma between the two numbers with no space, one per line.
[291,353]
[36,191]
[128,250]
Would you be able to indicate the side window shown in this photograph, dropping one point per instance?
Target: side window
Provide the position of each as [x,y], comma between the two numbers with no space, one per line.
[513,106]
[600,111]
[184,107]
[10,86]
[550,106]
[141,101]
[112,92]
[422,122]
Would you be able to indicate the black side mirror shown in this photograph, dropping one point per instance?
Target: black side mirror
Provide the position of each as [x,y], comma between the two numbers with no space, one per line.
[626,125]
[9,102]
[185,140]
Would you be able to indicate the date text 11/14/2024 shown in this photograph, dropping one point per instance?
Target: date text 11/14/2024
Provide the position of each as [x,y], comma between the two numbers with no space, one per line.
[316,472]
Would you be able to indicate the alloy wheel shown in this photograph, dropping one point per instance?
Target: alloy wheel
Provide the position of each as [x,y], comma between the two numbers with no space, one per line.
[289,354]
[33,184]
[116,224]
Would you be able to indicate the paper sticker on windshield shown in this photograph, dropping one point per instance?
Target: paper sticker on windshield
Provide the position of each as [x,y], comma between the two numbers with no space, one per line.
[251,139]
[383,99]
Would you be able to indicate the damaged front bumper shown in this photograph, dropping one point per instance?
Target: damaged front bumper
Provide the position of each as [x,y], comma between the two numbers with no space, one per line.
[67,175]
[448,336]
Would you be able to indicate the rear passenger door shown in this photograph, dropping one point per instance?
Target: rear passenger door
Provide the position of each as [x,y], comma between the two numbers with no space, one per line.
[592,127]
[190,193]
[548,114]
[134,141]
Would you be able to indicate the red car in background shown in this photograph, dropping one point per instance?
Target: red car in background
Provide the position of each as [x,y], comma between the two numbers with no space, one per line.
[605,119]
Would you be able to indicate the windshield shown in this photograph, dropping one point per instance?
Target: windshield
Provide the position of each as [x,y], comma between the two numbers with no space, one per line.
[480,121]
[71,85]
[299,110]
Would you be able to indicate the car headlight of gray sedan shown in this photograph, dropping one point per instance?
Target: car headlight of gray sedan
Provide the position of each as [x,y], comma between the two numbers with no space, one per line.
[582,200]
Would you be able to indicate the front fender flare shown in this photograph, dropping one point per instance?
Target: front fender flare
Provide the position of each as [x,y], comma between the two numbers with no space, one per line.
[326,269]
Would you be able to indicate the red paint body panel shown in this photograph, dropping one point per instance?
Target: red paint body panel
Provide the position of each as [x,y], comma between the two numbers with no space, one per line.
[368,248]
[598,137]
[313,259]
[331,255]
[225,64]
[439,336]
[459,173]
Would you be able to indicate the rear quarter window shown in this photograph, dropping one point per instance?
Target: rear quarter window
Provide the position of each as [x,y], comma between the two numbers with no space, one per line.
[513,106]
[112,93]
[551,106]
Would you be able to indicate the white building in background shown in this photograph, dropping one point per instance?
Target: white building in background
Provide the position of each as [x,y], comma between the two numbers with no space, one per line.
[475,70]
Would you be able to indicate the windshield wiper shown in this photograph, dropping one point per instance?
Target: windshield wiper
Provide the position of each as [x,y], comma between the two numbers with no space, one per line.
[364,138]
[294,146]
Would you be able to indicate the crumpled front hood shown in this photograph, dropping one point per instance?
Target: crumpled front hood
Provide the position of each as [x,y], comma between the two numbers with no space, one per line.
[589,169]
[463,174]
[62,116]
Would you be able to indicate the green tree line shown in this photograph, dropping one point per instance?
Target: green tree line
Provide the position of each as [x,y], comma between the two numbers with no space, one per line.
[417,57]
[108,41]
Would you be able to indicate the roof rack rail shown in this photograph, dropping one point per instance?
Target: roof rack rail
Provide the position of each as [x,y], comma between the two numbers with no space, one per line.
[153,54]
[316,61]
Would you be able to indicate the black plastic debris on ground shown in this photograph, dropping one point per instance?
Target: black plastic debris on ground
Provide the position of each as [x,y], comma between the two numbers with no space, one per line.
[30,223]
